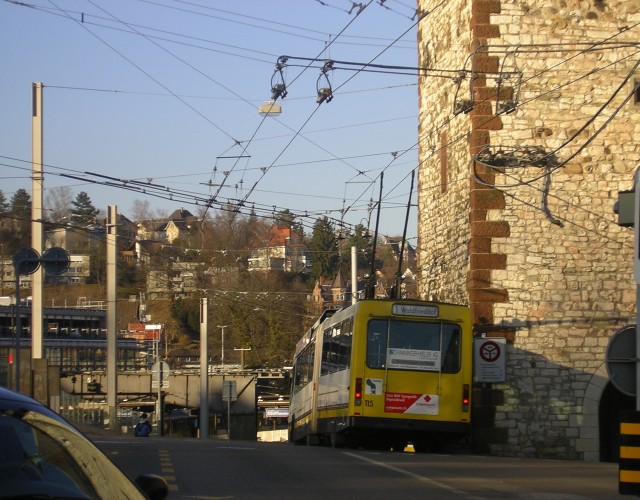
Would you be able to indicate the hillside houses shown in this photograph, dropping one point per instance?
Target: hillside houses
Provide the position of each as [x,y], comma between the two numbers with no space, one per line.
[177,226]
[283,250]
[173,270]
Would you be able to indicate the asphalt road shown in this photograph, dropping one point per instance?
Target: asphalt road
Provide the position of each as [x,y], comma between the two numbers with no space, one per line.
[198,469]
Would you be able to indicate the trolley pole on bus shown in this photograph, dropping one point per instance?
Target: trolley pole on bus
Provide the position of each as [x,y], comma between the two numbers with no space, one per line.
[354,274]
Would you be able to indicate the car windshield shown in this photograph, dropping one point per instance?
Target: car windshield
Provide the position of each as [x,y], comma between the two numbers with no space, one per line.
[44,458]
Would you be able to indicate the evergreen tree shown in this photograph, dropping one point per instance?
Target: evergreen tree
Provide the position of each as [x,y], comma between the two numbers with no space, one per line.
[4,206]
[21,205]
[284,218]
[287,218]
[20,222]
[7,229]
[324,250]
[362,239]
[83,210]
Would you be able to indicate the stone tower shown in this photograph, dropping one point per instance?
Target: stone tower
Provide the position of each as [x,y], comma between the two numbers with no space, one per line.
[529,128]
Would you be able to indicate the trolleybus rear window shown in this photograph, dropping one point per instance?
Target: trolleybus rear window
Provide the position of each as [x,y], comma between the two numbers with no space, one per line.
[413,345]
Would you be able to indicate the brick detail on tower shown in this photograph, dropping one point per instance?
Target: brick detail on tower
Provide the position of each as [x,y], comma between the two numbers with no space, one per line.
[484,198]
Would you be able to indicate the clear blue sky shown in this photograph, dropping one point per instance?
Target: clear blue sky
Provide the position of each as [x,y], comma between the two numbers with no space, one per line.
[160,91]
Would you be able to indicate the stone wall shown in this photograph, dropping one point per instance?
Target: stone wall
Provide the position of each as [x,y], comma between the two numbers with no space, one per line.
[525,228]
[443,200]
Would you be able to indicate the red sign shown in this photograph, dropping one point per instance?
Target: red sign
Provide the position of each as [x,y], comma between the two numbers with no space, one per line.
[417,404]
[490,351]
[398,402]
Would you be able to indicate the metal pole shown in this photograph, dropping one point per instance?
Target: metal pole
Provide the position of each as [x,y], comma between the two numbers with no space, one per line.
[18,330]
[229,413]
[204,370]
[159,422]
[637,337]
[636,274]
[37,180]
[112,334]
[222,358]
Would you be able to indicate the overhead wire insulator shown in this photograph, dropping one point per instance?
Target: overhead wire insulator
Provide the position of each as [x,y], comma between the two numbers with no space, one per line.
[508,84]
[460,105]
[325,94]
[278,86]
[361,6]
[278,90]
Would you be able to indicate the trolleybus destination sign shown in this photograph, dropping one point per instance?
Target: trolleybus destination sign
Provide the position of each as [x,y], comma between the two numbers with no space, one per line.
[415,310]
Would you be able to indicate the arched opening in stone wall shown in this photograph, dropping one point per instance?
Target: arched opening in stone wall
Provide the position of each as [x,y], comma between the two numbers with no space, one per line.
[612,402]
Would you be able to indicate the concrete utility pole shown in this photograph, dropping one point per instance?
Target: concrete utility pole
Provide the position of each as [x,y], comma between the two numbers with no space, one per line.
[204,370]
[112,334]
[36,221]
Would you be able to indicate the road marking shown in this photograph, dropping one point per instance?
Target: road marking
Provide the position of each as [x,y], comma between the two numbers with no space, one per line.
[424,479]
[166,469]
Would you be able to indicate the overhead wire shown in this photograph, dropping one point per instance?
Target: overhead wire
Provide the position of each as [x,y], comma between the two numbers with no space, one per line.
[171,193]
[305,29]
[246,144]
[590,48]
[130,61]
[321,100]
[151,77]
[299,130]
[546,159]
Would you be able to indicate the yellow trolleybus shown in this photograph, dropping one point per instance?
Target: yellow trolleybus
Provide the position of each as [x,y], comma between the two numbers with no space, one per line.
[383,372]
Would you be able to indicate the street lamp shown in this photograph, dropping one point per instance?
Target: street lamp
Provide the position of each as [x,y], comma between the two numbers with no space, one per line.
[222,359]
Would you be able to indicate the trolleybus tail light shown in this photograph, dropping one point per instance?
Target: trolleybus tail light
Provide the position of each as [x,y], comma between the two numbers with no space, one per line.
[465,397]
[358,393]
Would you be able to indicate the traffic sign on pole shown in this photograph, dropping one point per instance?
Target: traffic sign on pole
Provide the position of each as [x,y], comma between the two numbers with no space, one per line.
[621,361]
[55,261]
[26,261]
[160,375]
[490,359]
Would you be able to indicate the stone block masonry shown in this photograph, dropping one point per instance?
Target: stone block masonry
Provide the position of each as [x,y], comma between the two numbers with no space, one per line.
[515,203]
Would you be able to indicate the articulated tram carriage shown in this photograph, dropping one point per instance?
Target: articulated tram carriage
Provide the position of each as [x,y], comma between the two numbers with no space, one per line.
[384,373]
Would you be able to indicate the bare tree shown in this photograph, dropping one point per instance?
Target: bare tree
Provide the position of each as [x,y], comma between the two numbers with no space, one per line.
[140,210]
[58,203]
